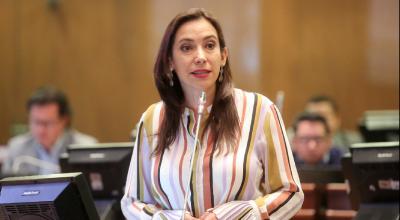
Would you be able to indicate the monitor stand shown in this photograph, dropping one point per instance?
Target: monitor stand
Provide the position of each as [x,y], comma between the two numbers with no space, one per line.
[374,211]
[109,209]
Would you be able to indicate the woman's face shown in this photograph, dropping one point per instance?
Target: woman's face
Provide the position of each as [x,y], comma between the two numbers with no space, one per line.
[197,57]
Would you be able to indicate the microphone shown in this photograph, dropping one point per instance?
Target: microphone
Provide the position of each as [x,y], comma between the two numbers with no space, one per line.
[280,96]
[200,110]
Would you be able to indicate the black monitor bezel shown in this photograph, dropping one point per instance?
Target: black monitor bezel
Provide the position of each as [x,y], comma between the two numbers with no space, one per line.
[76,178]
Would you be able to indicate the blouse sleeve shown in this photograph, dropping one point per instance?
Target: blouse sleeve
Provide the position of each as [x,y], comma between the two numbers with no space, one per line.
[283,195]
[138,202]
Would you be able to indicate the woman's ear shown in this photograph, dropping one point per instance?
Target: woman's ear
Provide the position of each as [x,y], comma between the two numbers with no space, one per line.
[171,64]
[224,55]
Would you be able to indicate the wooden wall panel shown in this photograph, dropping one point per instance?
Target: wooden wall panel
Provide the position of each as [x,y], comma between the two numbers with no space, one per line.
[322,47]
[102,53]
[96,51]
[7,65]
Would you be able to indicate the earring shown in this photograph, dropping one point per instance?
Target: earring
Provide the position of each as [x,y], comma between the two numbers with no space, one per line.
[221,74]
[171,78]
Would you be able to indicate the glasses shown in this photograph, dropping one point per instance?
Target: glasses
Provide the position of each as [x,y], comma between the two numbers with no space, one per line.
[44,123]
[306,140]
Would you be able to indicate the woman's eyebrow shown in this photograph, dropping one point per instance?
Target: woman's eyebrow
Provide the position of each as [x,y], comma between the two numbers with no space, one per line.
[212,36]
[185,40]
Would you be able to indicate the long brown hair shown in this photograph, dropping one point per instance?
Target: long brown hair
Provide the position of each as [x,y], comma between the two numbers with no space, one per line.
[223,109]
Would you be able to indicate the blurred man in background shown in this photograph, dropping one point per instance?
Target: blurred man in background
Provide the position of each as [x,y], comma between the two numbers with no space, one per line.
[38,151]
[312,141]
[327,107]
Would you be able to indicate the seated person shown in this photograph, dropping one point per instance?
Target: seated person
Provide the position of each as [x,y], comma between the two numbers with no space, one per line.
[38,151]
[312,141]
[327,107]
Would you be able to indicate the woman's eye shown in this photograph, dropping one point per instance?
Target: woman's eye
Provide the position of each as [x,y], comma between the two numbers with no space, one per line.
[210,45]
[185,48]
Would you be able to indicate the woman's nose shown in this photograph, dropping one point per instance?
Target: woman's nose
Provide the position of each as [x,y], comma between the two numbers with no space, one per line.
[200,57]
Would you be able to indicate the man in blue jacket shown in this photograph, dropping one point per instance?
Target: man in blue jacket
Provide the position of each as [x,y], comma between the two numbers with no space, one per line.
[312,141]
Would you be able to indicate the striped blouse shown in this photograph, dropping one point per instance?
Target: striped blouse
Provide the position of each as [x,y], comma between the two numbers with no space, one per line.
[256,180]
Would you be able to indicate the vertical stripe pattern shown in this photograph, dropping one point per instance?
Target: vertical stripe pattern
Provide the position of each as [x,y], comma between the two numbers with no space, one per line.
[260,177]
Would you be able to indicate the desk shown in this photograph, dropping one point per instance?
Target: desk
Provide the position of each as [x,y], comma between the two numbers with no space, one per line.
[325,202]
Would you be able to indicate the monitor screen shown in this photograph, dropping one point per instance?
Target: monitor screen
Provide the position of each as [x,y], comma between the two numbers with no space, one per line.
[105,166]
[321,174]
[46,197]
[380,126]
[375,172]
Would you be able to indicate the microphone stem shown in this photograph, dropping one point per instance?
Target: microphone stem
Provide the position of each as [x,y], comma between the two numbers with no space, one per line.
[200,113]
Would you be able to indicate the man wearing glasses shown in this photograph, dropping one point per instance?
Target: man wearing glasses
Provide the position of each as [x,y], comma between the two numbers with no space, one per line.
[38,151]
[312,141]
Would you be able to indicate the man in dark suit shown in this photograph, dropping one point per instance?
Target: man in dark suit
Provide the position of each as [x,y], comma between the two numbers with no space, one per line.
[312,141]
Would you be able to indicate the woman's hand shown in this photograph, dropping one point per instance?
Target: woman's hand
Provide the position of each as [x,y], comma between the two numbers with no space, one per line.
[208,216]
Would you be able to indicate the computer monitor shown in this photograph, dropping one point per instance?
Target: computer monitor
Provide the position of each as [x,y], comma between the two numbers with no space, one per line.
[376,171]
[380,126]
[374,177]
[105,166]
[46,197]
[320,174]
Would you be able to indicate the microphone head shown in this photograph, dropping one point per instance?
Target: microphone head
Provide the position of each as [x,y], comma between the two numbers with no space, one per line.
[202,102]
[202,97]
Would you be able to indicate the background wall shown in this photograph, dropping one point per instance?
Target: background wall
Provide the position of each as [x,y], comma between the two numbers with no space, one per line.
[346,49]
[101,54]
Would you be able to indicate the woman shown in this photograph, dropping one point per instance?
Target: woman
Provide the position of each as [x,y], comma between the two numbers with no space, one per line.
[243,165]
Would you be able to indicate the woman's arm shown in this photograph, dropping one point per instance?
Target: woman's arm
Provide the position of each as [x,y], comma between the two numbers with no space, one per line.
[284,196]
[138,201]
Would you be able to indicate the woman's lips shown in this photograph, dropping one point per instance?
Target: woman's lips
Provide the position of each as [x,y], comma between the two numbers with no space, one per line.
[201,73]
